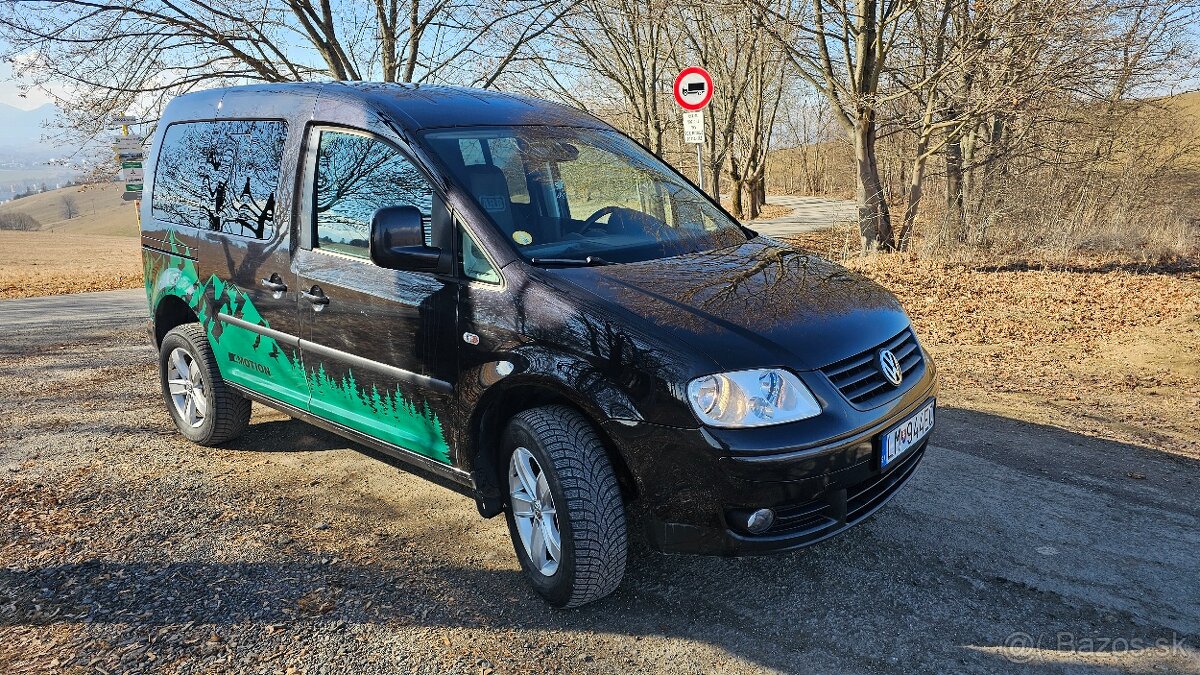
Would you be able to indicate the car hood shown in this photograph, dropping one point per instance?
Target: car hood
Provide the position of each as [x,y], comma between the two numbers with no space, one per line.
[759,304]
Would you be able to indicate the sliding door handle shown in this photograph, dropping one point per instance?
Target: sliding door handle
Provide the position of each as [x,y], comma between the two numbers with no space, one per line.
[316,296]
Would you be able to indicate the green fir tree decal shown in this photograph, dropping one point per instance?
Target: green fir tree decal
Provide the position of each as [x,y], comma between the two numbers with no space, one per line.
[386,415]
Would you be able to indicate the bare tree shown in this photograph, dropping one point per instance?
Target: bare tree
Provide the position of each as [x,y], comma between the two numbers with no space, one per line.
[842,50]
[755,121]
[614,57]
[18,221]
[1039,110]
[132,55]
[70,206]
[727,42]
[1021,58]
[636,48]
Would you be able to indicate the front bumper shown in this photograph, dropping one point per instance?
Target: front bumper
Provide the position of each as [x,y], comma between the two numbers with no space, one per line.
[695,485]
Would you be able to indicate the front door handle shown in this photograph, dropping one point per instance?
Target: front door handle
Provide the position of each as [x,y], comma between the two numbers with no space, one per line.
[316,296]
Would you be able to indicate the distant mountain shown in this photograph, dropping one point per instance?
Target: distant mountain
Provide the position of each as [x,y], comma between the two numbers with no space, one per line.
[26,161]
[23,129]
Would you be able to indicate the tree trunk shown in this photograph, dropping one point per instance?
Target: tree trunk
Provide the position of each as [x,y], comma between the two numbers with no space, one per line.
[955,205]
[735,199]
[712,184]
[874,218]
[916,188]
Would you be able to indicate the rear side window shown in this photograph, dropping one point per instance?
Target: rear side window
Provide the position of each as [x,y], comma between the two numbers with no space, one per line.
[220,176]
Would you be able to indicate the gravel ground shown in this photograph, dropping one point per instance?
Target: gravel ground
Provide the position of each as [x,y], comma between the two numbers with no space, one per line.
[125,548]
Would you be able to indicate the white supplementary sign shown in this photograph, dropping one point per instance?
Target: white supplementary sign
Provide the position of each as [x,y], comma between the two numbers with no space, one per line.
[132,175]
[693,127]
[130,142]
[124,120]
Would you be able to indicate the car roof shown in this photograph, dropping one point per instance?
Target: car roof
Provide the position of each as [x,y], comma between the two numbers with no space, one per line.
[413,106]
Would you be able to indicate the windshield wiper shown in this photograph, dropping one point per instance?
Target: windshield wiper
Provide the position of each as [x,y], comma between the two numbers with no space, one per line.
[590,261]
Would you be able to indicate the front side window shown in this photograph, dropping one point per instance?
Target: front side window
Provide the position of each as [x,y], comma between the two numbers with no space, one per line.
[220,176]
[567,194]
[356,175]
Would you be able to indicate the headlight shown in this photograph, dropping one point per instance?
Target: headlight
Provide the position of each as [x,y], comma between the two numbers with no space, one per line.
[751,398]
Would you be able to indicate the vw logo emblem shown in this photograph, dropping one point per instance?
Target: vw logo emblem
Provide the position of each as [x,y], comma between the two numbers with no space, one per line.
[889,365]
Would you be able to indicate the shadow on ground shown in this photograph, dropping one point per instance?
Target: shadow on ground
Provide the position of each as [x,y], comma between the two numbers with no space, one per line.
[1007,529]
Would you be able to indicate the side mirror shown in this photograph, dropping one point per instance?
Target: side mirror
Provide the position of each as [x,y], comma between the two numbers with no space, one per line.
[398,240]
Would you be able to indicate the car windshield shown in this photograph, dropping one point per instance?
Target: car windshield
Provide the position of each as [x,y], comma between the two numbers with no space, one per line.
[566,195]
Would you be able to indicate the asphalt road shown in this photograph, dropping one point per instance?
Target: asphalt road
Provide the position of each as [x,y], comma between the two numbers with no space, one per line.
[1014,546]
[808,214]
[80,311]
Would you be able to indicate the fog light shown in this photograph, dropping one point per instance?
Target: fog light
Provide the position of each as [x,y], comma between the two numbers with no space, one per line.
[760,521]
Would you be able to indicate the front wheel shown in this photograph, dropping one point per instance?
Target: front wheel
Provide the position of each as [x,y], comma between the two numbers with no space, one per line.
[565,513]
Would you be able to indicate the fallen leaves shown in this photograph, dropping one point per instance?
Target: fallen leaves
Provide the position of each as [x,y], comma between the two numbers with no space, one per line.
[1099,349]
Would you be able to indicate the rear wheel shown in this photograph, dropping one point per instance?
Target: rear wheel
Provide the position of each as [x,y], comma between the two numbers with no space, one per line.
[204,408]
[565,512]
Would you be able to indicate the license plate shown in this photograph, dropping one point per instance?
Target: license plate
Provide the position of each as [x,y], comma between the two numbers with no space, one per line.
[906,434]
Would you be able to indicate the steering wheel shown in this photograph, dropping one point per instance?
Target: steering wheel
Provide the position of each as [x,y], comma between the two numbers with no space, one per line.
[590,222]
[600,213]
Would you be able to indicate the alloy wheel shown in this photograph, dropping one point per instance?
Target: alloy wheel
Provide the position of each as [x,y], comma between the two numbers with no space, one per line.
[534,512]
[186,386]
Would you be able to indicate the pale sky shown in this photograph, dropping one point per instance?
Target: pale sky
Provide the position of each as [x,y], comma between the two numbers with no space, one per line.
[10,96]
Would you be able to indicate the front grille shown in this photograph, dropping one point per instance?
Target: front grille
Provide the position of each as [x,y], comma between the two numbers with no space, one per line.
[819,518]
[863,498]
[859,378]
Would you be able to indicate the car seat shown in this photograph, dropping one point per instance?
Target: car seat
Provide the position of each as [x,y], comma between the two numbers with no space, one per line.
[490,188]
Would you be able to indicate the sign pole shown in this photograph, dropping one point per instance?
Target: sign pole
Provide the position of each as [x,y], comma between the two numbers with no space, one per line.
[699,166]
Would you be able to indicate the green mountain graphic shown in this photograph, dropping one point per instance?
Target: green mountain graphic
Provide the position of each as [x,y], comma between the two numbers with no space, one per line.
[386,415]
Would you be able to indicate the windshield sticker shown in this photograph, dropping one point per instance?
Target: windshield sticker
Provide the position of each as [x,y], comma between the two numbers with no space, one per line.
[493,203]
[522,237]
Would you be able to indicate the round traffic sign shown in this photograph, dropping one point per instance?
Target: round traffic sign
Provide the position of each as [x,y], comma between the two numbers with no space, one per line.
[693,88]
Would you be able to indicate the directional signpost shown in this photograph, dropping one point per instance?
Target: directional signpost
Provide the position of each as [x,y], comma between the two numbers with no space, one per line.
[693,90]
[128,150]
[131,171]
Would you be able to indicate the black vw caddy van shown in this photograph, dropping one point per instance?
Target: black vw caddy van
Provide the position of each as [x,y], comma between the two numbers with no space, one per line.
[515,300]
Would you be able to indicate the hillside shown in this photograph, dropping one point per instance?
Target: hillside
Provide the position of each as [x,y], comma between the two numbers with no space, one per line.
[1188,104]
[99,208]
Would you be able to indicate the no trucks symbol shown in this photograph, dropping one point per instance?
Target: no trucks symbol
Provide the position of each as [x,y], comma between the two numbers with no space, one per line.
[693,88]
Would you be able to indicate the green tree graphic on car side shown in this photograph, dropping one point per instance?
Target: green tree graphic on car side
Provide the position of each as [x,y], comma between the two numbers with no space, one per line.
[278,371]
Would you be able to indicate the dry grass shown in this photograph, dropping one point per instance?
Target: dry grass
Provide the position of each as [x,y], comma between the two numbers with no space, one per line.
[99,208]
[1104,347]
[53,263]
